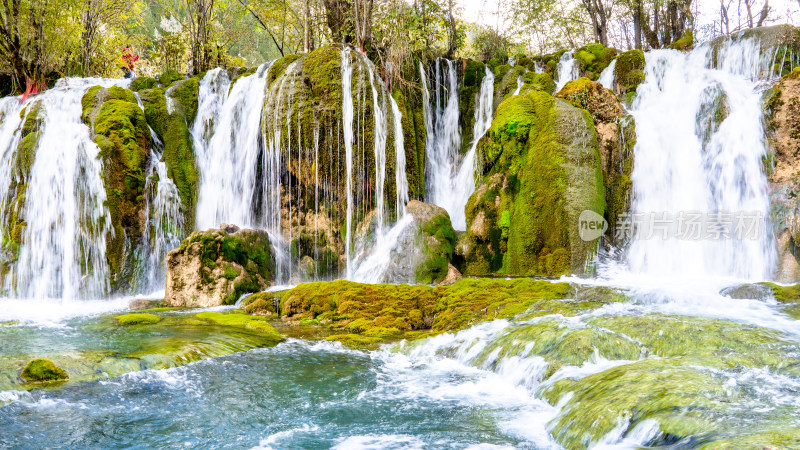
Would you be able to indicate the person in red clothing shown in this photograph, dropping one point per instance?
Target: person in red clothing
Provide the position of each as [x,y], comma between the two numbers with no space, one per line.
[128,59]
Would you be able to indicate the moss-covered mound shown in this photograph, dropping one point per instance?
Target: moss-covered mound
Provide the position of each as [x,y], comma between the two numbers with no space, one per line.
[178,155]
[138,319]
[121,132]
[594,58]
[369,314]
[616,136]
[170,76]
[629,71]
[143,83]
[43,371]
[542,169]
[216,267]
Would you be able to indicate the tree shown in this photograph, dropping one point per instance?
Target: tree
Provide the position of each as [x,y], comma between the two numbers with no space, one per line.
[199,12]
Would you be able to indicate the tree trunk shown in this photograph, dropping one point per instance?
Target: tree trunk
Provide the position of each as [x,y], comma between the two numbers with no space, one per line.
[637,24]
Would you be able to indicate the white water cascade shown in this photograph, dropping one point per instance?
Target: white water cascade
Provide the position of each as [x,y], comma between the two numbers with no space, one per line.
[607,76]
[520,82]
[688,162]
[451,181]
[566,70]
[63,245]
[347,121]
[228,162]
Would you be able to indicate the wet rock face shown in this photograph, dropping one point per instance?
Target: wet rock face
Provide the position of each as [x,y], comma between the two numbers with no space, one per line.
[424,248]
[216,267]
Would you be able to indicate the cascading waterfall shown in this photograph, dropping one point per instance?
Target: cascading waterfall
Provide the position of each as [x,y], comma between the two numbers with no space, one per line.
[688,161]
[229,161]
[453,181]
[347,121]
[163,221]
[607,76]
[443,133]
[401,179]
[566,70]
[520,82]
[64,241]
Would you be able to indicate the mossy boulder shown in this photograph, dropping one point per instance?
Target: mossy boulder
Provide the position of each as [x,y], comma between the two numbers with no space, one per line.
[629,71]
[43,371]
[185,94]
[593,59]
[143,83]
[472,73]
[616,136]
[685,43]
[138,319]
[542,169]
[538,81]
[216,267]
[121,132]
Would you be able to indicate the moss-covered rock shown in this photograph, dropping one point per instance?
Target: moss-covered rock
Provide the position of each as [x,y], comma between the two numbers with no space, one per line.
[593,59]
[178,153]
[380,312]
[616,136]
[138,319]
[629,71]
[121,132]
[542,169]
[217,267]
[685,43]
[170,76]
[538,81]
[185,94]
[472,73]
[143,83]
[43,371]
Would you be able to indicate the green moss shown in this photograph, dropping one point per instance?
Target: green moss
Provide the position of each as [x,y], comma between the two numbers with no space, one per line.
[593,59]
[539,170]
[439,243]
[241,320]
[42,371]
[122,134]
[143,83]
[629,71]
[178,153]
[381,312]
[279,67]
[784,294]
[185,94]
[138,319]
[540,82]
[685,43]
[170,76]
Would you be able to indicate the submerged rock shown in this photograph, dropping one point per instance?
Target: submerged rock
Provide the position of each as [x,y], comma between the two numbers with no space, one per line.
[542,169]
[216,267]
[43,371]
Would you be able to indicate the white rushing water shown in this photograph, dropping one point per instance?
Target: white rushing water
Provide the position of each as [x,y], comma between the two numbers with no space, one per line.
[691,167]
[607,77]
[451,178]
[229,160]
[64,242]
[568,69]
[520,82]
[347,121]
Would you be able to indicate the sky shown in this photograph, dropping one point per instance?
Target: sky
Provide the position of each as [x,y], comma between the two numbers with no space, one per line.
[485,11]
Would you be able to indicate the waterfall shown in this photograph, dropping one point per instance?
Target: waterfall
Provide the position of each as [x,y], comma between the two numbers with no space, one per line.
[538,67]
[228,163]
[163,221]
[64,241]
[401,179]
[699,149]
[380,131]
[347,122]
[607,76]
[444,134]
[566,70]
[452,182]
[520,82]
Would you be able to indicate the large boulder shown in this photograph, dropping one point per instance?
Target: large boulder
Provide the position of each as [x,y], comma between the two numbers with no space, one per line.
[424,241]
[616,138]
[542,169]
[216,267]
[629,72]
